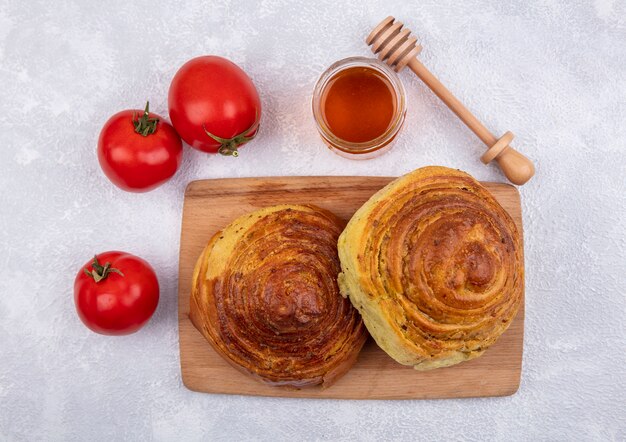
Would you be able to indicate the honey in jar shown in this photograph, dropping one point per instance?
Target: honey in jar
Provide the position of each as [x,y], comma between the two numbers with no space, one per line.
[359,107]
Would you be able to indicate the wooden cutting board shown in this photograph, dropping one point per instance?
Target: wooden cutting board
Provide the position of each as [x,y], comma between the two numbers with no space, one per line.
[210,205]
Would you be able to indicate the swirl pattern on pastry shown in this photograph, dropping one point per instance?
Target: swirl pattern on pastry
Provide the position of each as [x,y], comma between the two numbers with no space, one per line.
[435,266]
[265,296]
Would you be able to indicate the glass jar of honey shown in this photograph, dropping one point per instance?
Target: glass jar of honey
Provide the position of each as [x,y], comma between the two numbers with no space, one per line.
[359,106]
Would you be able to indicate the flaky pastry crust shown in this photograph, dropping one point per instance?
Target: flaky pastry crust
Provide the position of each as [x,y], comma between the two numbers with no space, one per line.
[265,296]
[435,266]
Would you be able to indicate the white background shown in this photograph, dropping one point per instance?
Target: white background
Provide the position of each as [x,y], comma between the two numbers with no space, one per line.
[554,73]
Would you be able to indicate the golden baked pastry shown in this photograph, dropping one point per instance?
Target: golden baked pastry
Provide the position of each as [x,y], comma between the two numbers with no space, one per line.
[435,266]
[265,295]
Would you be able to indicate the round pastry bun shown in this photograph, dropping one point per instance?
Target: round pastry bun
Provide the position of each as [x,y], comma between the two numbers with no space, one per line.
[265,296]
[435,266]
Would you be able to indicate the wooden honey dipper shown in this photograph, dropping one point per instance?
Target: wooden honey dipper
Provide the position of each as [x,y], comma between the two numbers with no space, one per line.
[395,46]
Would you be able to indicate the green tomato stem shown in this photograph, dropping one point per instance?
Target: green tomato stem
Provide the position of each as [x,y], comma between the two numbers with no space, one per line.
[228,146]
[145,125]
[100,272]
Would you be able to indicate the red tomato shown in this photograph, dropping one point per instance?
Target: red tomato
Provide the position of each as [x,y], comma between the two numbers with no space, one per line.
[116,293]
[214,105]
[138,151]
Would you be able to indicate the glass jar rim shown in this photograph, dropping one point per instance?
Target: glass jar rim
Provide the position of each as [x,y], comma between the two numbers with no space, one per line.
[399,112]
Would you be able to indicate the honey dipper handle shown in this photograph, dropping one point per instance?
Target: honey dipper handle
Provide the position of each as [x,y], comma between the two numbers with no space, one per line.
[452,102]
[517,168]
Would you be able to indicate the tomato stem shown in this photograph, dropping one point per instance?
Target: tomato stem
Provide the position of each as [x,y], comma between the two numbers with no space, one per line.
[100,272]
[145,125]
[228,146]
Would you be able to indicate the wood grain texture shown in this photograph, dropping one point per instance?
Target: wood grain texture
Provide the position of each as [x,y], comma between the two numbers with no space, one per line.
[210,205]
